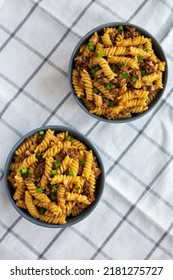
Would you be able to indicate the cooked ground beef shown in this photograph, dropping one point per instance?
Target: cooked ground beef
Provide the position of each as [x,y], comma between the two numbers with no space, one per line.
[86,191]
[39,170]
[40,138]
[59,157]
[149,66]
[20,158]
[130,32]
[113,35]
[73,153]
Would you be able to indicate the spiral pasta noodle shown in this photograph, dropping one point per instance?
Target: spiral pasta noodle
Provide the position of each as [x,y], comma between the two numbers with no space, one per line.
[87,84]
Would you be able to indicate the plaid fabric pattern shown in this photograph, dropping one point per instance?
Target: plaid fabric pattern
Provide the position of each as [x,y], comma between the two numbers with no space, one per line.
[134,217]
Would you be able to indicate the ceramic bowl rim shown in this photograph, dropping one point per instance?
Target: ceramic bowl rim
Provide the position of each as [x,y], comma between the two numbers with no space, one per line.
[72,220]
[157,48]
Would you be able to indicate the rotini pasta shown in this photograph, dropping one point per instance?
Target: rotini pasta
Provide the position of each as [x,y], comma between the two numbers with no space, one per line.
[106,39]
[131,62]
[87,84]
[56,179]
[119,60]
[78,89]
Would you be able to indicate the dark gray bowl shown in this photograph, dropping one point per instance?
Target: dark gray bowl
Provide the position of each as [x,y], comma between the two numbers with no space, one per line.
[99,186]
[158,51]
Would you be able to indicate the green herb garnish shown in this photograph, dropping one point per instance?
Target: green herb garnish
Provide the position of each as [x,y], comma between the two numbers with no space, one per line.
[95,90]
[101,54]
[140,58]
[23,171]
[38,155]
[90,46]
[40,132]
[57,163]
[143,72]
[120,28]
[92,71]
[55,188]
[71,173]
[123,64]
[95,69]
[109,86]
[39,190]
[125,75]
[82,161]
[68,137]
[111,103]
[90,43]
[42,210]
[28,174]
[133,79]
[53,172]
[53,197]
[114,67]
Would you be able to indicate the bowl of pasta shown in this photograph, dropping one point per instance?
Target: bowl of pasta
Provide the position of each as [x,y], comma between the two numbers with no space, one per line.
[117,72]
[54,176]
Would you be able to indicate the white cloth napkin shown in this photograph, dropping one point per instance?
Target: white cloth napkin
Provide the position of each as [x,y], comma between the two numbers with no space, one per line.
[134,219]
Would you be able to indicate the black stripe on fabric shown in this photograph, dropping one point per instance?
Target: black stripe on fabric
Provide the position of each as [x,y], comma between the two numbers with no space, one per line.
[46,58]
[10,228]
[66,123]
[169,105]
[23,241]
[11,127]
[130,210]
[50,244]
[152,141]
[57,108]
[164,36]
[82,236]
[137,11]
[20,25]
[56,19]
[109,10]
[112,233]
[57,68]
[42,105]
[170,27]
[38,102]
[169,56]
[157,244]
[92,128]
[134,177]
[140,132]
[1,174]
[160,172]
[135,227]
[167,4]
[9,103]
[139,181]
[124,152]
